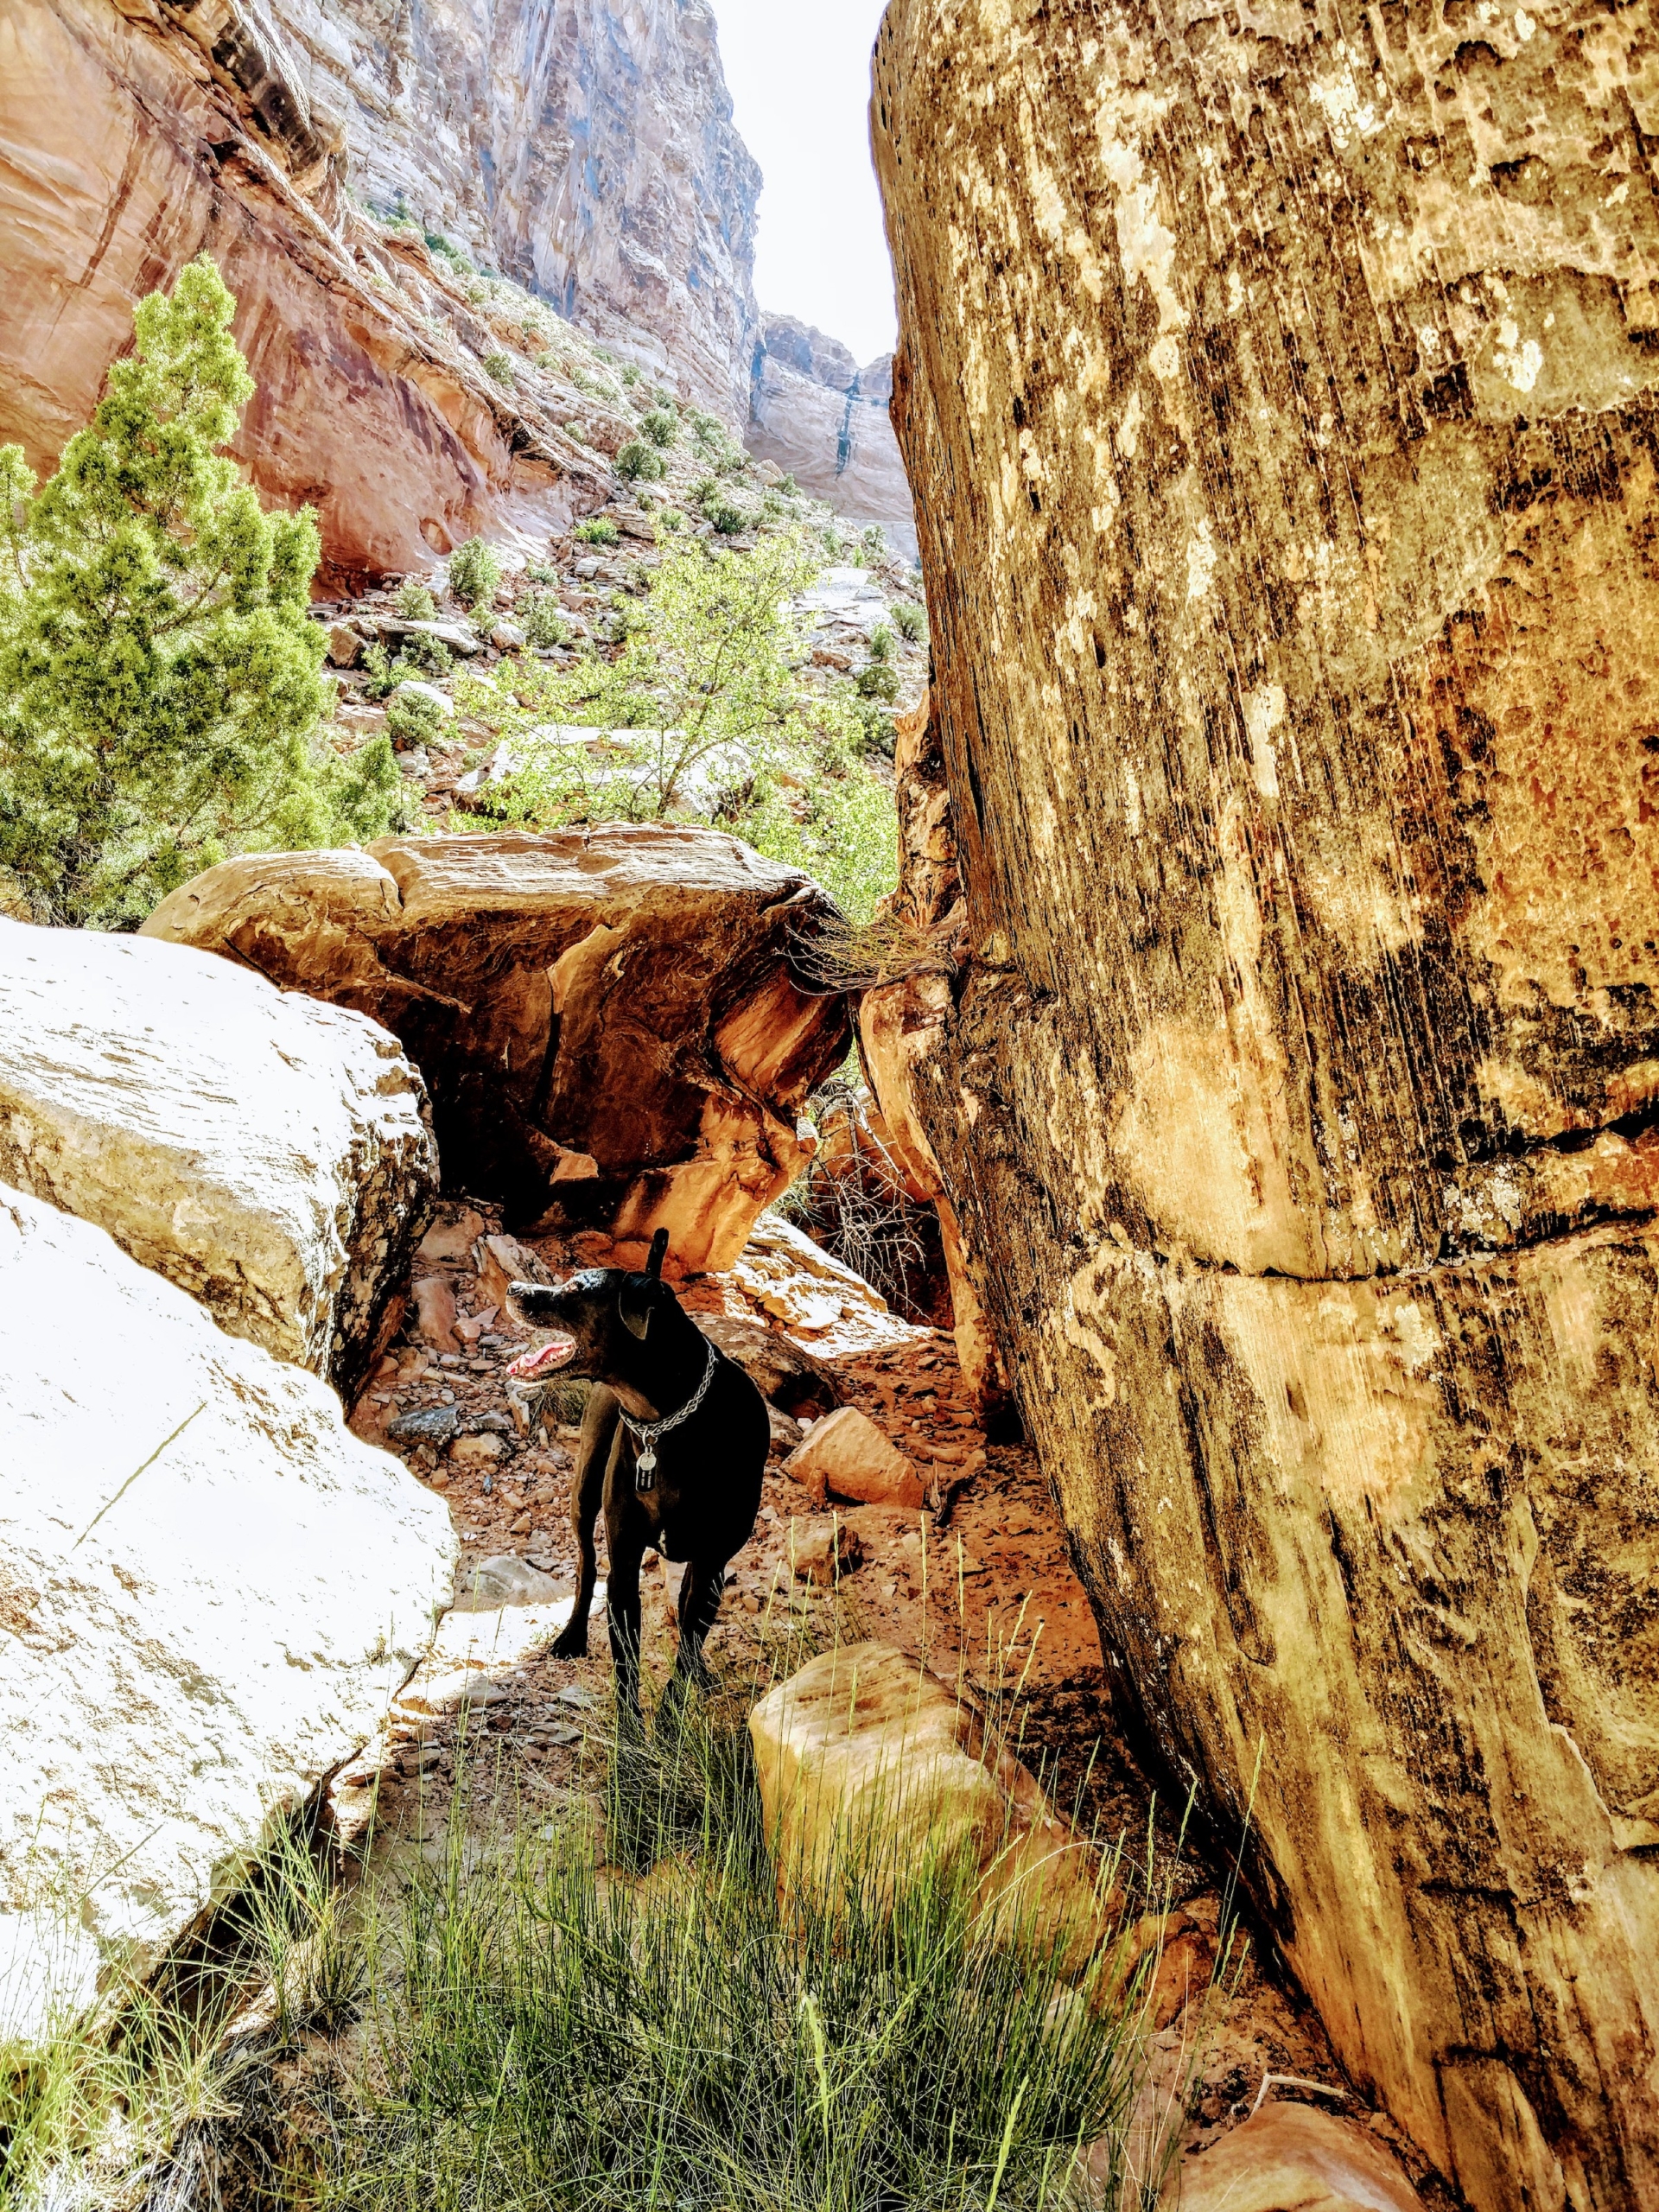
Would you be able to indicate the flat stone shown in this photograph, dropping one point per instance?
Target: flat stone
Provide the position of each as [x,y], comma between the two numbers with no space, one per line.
[425,1424]
[504,1581]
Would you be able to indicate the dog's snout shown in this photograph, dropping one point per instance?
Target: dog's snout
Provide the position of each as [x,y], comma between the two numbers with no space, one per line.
[531,1299]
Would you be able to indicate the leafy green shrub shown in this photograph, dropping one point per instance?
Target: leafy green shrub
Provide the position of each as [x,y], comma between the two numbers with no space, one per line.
[877,733]
[734,463]
[910,620]
[708,432]
[542,619]
[538,572]
[729,520]
[413,719]
[598,530]
[671,518]
[577,431]
[438,244]
[881,642]
[160,684]
[705,488]
[474,572]
[500,366]
[790,488]
[415,602]
[661,426]
[874,539]
[638,460]
[428,656]
[877,679]
[631,374]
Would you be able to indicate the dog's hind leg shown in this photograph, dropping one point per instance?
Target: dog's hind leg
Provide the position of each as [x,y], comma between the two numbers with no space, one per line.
[599,1426]
[701,1591]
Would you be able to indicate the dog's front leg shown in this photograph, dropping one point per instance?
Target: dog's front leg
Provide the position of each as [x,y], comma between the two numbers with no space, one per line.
[600,1427]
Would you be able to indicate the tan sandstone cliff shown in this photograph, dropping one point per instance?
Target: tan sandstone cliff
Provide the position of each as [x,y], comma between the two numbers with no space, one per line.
[1276,387]
[824,420]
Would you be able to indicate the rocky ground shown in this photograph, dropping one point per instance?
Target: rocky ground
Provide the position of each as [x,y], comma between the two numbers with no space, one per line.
[983,1588]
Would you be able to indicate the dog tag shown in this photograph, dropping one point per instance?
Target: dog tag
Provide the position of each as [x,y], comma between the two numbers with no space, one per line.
[645,1472]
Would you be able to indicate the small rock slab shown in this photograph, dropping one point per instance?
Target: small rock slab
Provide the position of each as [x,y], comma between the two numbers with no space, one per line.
[847,1456]
[506,1579]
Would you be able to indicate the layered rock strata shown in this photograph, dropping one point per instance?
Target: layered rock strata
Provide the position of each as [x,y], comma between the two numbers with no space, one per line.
[137,138]
[584,147]
[610,1023]
[209,1592]
[815,414]
[1277,392]
[270,1156]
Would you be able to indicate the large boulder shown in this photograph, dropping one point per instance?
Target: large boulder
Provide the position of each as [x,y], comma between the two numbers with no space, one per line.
[1280,400]
[610,1022]
[1290,2158]
[269,1155]
[209,1591]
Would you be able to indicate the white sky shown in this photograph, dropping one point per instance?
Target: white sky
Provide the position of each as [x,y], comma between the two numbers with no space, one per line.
[799,73]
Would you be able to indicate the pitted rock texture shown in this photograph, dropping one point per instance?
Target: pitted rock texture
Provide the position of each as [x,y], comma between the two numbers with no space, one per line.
[209,1592]
[585,148]
[270,1156]
[609,1024]
[1277,393]
[823,420]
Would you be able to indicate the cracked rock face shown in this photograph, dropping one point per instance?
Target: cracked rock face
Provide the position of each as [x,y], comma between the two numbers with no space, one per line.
[1278,398]
[209,1592]
[609,1024]
[271,1157]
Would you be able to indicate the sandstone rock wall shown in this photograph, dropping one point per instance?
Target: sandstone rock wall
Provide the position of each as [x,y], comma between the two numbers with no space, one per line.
[609,1022]
[1277,392]
[268,1155]
[138,138]
[583,147]
[824,420]
[209,1592]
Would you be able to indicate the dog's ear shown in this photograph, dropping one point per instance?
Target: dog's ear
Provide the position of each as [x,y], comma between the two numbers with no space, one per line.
[635,1303]
[635,1306]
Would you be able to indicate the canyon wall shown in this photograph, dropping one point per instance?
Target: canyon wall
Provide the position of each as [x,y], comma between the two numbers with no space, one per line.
[1276,385]
[585,149]
[824,420]
[127,146]
[588,155]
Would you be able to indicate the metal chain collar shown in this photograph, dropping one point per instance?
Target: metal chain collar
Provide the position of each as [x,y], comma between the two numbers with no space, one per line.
[647,1431]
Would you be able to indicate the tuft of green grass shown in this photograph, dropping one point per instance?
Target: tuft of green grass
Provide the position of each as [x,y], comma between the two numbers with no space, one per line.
[616,2013]
[598,530]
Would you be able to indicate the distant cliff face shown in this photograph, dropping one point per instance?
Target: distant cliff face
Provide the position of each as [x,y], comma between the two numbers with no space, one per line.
[586,148]
[822,418]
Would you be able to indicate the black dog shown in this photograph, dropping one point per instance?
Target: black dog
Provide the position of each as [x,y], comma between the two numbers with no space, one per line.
[674,1441]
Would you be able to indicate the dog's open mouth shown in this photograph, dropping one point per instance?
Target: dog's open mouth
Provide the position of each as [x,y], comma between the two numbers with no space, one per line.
[558,1352]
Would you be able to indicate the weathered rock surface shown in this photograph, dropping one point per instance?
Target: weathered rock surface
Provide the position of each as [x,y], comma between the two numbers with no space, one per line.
[584,147]
[269,1155]
[1291,2158]
[845,1455]
[609,1024]
[786,1376]
[864,1756]
[1278,400]
[821,1303]
[824,421]
[209,1590]
[139,136]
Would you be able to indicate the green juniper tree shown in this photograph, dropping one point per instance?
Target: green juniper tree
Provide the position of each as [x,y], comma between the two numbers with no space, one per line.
[160,684]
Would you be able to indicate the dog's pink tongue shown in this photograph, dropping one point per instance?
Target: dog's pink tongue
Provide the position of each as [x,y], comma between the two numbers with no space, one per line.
[543,1358]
